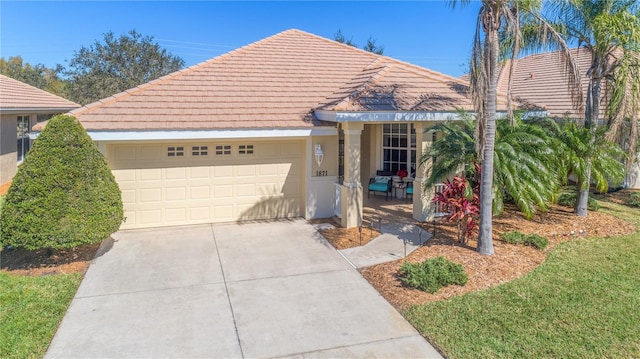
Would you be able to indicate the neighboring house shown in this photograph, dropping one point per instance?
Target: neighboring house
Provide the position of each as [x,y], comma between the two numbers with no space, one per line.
[20,106]
[290,126]
[541,79]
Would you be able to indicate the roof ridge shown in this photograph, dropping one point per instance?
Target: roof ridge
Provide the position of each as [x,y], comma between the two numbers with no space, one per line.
[133,90]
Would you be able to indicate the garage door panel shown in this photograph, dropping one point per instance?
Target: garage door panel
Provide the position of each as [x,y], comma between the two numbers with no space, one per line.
[199,173]
[175,173]
[150,217]
[175,194]
[199,192]
[199,213]
[154,174]
[175,215]
[158,191]
[150,195]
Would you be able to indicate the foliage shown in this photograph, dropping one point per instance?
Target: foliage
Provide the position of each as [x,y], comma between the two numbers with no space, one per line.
[569,198]
[534,240]
[31,310]
[64,193]
[462,202]
[433,274]
[370,46]
[610,30]
[117,64]
[580,303]
[578,150]
[633,199]
[499,19]
[35,75]
[525,165]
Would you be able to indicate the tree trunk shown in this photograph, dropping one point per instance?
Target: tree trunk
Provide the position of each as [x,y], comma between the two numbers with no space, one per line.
[591,121]
[485,236]
[582,196]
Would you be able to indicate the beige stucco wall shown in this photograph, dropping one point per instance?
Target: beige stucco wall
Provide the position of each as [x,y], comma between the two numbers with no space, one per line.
[320,192]
[8,155]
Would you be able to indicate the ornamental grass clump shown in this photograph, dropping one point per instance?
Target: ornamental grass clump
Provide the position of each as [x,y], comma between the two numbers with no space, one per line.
[64,194]
[433,274]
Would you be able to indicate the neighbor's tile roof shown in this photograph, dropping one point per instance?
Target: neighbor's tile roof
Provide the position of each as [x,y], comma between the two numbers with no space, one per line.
[18,96]
[541,79]
[276,82]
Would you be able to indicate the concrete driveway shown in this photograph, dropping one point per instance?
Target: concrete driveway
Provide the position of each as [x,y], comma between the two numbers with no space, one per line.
[257,290]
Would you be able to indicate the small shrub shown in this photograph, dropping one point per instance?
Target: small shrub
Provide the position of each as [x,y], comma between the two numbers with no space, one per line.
[64,194]
[513,237]
[537,241]
[633,199]
[568,199]
[433,274]
[533,240]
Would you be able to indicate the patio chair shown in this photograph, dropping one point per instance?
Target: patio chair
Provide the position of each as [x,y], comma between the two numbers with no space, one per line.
[380,183]
[409,192]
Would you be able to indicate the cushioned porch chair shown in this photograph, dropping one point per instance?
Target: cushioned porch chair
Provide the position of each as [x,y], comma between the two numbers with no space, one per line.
[409,191]
[380,183]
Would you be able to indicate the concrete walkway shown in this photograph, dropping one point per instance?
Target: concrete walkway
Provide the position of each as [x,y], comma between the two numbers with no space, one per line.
[397,241]
[259,290]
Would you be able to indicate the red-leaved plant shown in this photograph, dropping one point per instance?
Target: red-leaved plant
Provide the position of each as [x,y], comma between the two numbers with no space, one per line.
[462,202]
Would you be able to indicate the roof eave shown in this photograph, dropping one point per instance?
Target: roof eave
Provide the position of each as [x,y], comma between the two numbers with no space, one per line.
[37,110]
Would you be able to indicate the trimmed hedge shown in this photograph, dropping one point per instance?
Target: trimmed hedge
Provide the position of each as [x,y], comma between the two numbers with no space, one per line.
[64,194]
[433,274]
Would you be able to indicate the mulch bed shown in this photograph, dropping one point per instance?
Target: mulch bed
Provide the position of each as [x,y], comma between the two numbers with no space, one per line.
[18,261]
[509,261]
[343,238]
[4,188]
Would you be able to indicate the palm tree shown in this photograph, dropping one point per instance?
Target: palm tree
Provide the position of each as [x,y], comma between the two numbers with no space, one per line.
[576,152]
[610,30]
[494,17]
[525,161]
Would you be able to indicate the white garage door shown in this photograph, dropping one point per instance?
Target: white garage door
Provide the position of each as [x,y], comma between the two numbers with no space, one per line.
[178,183]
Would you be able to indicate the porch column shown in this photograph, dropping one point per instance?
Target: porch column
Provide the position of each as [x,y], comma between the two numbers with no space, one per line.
[351,190]
[423,207]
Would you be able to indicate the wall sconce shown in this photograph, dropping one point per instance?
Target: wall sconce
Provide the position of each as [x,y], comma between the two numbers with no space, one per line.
[319,154]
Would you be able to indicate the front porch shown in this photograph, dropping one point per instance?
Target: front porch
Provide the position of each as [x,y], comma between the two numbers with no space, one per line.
[394,210]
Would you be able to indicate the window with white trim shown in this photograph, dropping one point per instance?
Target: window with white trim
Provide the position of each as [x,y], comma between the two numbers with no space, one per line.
[175,151]
[399,147]
[245,149]
[24,143]
[223,150]
[199,151]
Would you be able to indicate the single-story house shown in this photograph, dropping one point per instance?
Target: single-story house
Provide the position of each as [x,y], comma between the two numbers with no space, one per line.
[290,126]
[541,79]
[20,106]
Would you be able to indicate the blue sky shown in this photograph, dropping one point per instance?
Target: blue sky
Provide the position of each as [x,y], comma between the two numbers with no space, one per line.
[426,33]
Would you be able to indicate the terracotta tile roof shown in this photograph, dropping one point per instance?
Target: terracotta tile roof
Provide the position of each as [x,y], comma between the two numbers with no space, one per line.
[18,96]
[276,82]
[541,79]
[394,86]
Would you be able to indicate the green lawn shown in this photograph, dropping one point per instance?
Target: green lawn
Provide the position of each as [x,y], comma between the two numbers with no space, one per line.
[31,309]
[583,302]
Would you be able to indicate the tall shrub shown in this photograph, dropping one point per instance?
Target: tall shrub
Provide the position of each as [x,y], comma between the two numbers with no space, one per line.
[64,194]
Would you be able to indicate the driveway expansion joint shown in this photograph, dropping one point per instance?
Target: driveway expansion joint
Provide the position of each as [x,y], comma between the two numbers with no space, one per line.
[226,288]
